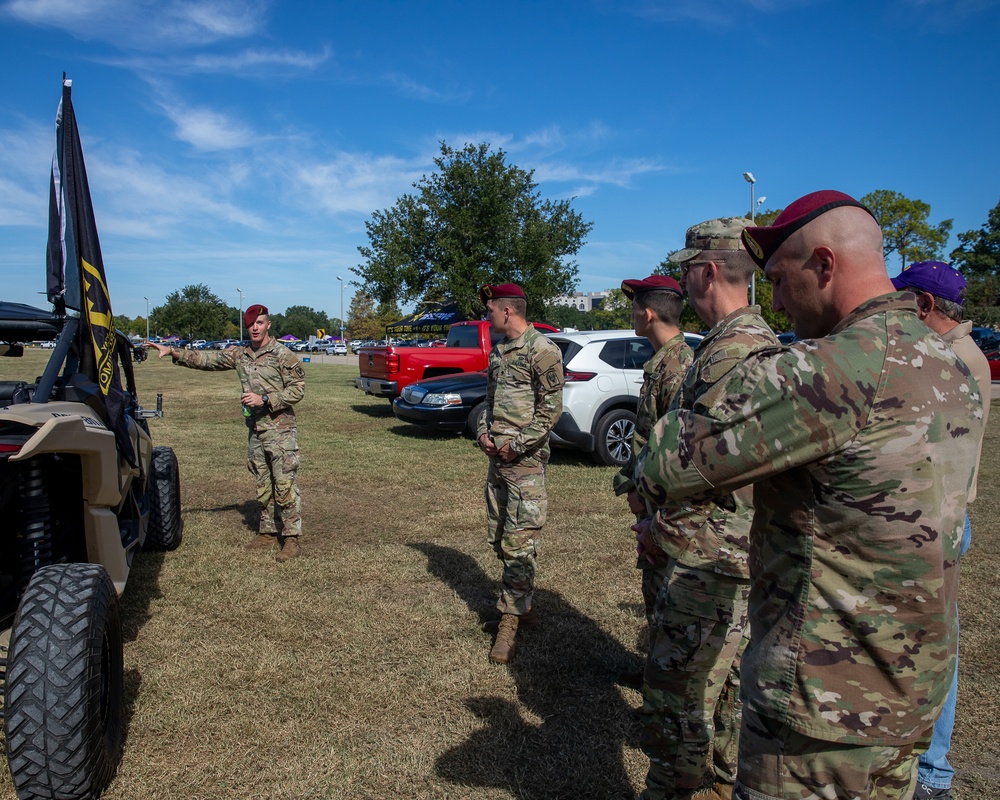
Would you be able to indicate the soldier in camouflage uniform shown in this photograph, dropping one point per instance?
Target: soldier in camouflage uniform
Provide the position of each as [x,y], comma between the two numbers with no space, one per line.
[860,441]
[691,708]
[940,291]
[272,380]
[524,402]
[657,302]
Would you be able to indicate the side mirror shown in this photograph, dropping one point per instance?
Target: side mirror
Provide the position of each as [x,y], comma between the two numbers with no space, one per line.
[12,350]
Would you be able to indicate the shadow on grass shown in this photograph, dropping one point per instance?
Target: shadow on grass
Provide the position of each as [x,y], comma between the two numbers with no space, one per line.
[565,669]
[249,510]
[380,411]
[420,432]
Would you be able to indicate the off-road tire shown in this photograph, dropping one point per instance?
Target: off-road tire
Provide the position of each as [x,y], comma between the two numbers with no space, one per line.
[164,530]
[63,713]
[613,439]
[477,413]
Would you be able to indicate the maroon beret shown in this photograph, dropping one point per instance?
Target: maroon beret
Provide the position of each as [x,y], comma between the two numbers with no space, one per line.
[251,314]
[489,291]
[653,283]
[762,243]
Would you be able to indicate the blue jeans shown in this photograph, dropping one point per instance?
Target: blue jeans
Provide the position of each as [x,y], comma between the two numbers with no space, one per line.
[933,768]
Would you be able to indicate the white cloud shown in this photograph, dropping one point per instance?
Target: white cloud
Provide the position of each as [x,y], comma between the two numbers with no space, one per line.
[208,130]
[706,12]
[352,183]
[411,88]
[144,24]
[25,167]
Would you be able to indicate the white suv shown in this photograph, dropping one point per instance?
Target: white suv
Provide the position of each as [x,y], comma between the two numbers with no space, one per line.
[603,371]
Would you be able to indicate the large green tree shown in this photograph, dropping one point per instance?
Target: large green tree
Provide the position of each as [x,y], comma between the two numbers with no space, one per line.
[564,317]
[192,312]
[905,227]
[476,220]
[979,251]
[978,258]
[615,312]
[366,321]
[303,322]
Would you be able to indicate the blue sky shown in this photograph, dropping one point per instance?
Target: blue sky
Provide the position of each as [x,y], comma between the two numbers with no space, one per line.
[243,144]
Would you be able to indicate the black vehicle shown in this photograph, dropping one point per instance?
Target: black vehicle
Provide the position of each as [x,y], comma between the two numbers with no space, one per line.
[449,403]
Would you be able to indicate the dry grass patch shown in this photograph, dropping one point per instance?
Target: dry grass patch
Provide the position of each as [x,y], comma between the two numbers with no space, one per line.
[359,671]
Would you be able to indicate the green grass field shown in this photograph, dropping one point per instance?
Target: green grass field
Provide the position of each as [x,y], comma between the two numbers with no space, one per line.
[360,671]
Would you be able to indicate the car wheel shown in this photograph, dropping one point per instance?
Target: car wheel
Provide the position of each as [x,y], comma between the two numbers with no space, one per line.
[477,414]
[164,530]
[63,716]
[613,440]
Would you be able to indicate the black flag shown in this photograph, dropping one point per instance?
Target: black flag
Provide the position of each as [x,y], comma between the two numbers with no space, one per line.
[76,278]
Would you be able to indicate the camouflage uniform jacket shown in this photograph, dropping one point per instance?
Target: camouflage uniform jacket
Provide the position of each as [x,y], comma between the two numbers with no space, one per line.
[524,392]
[862,446]
[714,535]
[272,369]
[661,378]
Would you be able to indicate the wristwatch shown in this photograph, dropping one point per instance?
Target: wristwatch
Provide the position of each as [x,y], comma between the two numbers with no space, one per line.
[263,399]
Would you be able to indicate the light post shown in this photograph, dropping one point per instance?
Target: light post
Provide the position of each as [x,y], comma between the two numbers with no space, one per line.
[147,317]
[238,289]
[341,309]
[749,178]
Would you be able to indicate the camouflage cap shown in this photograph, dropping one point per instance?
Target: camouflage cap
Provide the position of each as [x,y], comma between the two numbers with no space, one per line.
[714,234]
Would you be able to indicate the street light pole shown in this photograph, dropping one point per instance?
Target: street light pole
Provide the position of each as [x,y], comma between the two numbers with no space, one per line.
[749,178]
[147,317]
[341,309]
[238,289]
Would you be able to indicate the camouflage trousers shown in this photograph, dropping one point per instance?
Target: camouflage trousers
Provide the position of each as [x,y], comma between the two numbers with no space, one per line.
[691,688]
[273,459]
[777,763]
[516,505]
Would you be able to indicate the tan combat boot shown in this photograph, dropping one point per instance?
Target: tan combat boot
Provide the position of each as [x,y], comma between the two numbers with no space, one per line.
[262,541]
[523,621]
[290,548]
[720,791]
[724,790]
[503,647]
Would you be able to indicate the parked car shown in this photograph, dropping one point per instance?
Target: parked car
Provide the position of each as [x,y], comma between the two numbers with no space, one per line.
[197,344]
[386,371]
[603,372]
[448,403]
[986,338]
[337,349]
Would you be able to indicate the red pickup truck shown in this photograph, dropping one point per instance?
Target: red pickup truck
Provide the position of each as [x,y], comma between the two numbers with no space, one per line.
[386,370]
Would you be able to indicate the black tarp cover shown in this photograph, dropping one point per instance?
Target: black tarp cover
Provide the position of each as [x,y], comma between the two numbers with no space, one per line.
[431,318]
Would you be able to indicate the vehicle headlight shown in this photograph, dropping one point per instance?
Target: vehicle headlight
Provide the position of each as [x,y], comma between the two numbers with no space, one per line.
[413,394]
[442,399]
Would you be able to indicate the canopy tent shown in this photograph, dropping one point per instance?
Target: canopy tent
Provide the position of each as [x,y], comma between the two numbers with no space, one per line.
[431,317]
[289,338]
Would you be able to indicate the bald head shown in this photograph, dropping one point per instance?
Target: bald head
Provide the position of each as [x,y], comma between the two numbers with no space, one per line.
[851,232]
[827,268]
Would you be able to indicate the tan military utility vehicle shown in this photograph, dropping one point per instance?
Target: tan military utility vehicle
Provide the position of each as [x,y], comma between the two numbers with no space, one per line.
[80,494]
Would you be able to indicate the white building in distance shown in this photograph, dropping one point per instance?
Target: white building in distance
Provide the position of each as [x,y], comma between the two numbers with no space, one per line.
[582,301]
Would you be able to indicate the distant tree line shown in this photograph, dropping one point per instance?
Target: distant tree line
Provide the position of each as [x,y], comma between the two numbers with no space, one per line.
[195,312]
